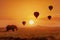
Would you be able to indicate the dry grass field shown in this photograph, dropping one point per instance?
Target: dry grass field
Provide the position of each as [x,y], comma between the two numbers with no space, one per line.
[32,33]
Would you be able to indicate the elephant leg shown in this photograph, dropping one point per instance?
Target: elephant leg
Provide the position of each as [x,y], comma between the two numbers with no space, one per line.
[7,29]
[12,29]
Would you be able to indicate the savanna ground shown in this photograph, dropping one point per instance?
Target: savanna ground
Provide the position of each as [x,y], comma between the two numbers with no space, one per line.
[32,33]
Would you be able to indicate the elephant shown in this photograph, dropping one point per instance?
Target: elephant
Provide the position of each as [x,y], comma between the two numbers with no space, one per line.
[11,27]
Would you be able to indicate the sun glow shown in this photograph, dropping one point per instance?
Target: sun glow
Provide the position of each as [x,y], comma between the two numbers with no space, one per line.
[31,22]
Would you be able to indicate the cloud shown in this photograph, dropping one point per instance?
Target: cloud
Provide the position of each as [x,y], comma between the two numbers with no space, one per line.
[52,19]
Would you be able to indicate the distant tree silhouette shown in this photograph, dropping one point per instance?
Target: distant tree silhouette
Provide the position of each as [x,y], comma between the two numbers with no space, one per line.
[17,38]
[11,38]
[24,39]
[41,38]
[6,38]
[20,38]
[11,27]
[51,38]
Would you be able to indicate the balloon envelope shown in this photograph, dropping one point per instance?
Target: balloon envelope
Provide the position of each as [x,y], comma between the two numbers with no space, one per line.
[23,22]
[49,17]
[36,14]
[50,7]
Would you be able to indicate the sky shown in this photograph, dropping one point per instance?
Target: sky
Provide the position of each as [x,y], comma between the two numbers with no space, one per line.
[16,11]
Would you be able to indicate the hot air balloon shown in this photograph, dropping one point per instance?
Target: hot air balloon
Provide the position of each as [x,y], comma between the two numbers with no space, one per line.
[36,14]
[23,22]
[49,17]
[50,7]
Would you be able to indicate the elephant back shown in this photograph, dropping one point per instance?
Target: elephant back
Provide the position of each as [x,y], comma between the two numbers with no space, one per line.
[8,26]
[13,26]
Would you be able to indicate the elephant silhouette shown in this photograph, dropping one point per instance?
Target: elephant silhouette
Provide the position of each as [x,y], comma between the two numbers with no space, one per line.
[11,27]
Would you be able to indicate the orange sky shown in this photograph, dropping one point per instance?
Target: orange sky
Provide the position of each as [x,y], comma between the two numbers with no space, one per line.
[15,11]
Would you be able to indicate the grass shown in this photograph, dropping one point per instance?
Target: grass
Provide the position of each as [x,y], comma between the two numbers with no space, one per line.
[32,33]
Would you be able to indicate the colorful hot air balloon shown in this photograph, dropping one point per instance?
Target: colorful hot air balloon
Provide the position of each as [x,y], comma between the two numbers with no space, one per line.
[36,14]
[50,7]
[49,17]
[24,22]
